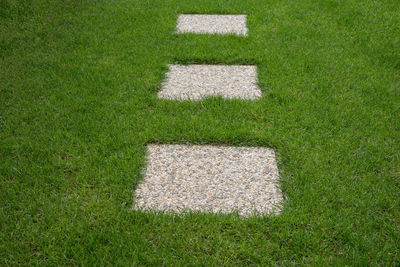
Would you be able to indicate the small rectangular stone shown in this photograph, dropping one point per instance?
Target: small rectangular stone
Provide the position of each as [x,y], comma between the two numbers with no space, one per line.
[194,82]
[216,179]
[214,24]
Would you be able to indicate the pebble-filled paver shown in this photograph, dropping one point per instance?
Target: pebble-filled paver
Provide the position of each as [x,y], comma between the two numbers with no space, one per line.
[210,179]
[197,81]
[214,24]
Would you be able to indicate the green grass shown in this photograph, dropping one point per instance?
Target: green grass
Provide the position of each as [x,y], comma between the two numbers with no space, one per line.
[78,83]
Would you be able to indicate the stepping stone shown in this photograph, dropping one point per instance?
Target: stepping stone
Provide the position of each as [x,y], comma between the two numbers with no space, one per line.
[216,179]
[215,24]
[194,82]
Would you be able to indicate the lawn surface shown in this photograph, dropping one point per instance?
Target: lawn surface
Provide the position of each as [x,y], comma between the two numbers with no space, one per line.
[78,86]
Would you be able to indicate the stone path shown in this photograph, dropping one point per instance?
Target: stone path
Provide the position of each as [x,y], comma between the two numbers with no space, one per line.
[210,178]
[217,179]
[197,81]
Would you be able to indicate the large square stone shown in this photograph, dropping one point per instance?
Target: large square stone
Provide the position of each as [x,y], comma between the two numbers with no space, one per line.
[214,179]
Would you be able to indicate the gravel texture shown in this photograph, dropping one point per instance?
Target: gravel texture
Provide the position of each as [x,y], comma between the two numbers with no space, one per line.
[218,24]
[212,179]
[197,81]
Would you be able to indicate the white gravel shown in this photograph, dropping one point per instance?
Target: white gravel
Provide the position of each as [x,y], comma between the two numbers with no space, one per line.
[215,24]
[197,81]
[212,179]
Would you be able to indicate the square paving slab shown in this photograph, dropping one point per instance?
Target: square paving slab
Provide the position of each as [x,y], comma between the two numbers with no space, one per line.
[212,179]
[214,24]
[197,81]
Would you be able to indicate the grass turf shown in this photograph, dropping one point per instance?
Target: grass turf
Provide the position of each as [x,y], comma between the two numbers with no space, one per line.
[78,83]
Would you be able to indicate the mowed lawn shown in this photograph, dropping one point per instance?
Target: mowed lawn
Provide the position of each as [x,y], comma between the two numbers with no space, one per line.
[78,90]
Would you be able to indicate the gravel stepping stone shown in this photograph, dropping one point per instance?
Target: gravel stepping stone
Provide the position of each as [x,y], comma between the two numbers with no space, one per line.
[194,82]
[209,178]
[215,24]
